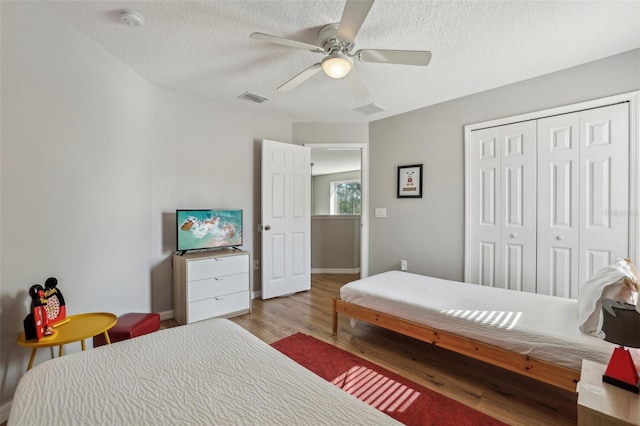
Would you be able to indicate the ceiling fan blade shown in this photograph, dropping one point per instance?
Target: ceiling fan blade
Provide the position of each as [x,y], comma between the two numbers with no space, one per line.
[354,14]
[357,86]
[300,78]
[402,57]
[286,42]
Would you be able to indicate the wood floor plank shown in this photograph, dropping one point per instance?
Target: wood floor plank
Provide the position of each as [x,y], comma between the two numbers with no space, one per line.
[503,395]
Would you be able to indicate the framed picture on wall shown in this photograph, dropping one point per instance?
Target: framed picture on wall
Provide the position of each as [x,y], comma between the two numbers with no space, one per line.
[410,181]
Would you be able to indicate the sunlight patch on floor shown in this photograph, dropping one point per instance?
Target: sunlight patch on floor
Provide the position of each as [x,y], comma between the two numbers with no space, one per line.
[376,389]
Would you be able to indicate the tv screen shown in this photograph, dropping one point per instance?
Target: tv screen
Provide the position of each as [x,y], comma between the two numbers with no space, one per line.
[206,229]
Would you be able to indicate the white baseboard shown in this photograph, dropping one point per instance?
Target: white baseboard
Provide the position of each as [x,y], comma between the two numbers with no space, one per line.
[166,315]
[335,270]
[4,411]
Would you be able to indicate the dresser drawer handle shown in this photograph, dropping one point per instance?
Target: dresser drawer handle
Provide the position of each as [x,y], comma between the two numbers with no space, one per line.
[219,259]
[219,278]
[219,298]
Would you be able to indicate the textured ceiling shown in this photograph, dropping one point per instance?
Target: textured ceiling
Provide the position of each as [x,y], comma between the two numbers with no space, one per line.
[203,48]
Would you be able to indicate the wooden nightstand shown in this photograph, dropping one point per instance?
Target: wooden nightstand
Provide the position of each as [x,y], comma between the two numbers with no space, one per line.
[600,403]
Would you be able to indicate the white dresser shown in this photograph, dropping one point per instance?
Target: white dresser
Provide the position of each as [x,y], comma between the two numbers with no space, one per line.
[211,284]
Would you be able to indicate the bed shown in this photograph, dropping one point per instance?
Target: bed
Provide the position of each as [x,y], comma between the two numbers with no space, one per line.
[531,334]
[210,372]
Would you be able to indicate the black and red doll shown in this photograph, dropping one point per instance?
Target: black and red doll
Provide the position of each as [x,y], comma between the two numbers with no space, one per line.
[47,309]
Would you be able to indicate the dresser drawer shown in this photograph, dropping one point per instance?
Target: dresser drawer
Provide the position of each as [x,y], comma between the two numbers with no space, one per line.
[211,284]
[217,267]
[219,286]
[218,306]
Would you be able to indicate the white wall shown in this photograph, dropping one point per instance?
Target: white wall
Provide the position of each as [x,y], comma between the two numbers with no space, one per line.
[94,162]
[207,156]
[429,232]
[330,133]
[76,179]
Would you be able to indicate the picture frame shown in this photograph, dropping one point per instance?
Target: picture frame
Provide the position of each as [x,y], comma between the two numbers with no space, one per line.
[410,181]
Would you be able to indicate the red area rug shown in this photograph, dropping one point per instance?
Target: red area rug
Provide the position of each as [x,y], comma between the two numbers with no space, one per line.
[391,393]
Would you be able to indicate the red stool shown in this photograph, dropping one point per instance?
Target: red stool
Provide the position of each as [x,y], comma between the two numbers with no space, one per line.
[129,326]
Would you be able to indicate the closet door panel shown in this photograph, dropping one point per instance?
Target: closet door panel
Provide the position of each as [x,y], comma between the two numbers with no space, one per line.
[518,201]
[484,211]
[558,198]
[514,266]
[604,186]
[596,260]
[487,263]
[561,264]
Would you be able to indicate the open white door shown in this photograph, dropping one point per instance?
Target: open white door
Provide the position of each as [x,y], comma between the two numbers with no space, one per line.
[286,219]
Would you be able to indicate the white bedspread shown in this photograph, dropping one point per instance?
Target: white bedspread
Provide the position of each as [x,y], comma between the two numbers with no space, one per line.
[207,373]
[540,326]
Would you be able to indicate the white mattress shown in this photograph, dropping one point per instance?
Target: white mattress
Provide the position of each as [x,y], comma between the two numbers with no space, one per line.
[540,326]
[206,373]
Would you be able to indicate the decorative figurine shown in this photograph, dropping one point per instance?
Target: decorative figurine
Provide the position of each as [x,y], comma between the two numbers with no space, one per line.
[47,310]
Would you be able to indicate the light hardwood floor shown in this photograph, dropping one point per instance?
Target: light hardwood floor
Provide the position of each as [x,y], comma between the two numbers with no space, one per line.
[503,395]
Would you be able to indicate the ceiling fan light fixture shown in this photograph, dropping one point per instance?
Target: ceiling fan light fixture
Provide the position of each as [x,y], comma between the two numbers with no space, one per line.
[337,65]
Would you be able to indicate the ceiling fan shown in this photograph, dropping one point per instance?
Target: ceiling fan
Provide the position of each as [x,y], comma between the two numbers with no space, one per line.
[336,42]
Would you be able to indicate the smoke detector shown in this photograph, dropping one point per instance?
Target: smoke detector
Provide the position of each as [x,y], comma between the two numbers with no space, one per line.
[131,18]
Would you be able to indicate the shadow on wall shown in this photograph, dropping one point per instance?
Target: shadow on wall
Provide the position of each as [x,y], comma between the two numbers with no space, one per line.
[162,273]
[257,215]
[13,357]
[169,232]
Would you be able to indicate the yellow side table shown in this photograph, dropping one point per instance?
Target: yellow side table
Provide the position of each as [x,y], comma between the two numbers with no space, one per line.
[77,328]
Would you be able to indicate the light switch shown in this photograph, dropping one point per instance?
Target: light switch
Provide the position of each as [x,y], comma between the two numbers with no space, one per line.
[380,212]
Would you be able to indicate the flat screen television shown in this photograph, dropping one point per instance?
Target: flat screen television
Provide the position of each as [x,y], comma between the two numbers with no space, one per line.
[208,229]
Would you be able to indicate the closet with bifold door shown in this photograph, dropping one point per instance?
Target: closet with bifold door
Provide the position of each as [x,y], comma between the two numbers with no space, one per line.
[548,199]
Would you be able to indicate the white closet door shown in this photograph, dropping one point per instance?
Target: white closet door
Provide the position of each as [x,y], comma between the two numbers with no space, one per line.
[484,211]
[503,211]
[583,196]
[518,233]
[604,187]
[549,198]
[558,215]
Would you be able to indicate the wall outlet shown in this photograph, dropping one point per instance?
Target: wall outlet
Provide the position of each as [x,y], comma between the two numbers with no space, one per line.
[403,265]
[380,212]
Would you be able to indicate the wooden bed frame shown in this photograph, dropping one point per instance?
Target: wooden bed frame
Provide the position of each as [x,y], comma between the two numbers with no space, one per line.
[562,377]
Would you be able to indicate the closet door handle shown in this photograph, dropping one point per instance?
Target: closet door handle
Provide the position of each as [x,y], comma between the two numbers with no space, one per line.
[560,237]
[513,235]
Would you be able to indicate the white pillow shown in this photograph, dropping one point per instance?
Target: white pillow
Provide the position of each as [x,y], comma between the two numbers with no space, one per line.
[617,281]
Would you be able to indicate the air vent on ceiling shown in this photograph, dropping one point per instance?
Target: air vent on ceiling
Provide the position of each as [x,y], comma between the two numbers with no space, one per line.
[253,97]
[369,109]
